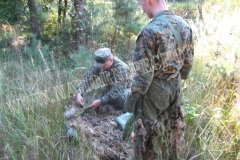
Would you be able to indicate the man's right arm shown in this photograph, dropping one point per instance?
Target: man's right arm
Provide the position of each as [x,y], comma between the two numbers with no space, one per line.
[87,80]
[86,83]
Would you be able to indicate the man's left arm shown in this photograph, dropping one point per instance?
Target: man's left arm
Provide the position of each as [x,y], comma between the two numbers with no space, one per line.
[188,53]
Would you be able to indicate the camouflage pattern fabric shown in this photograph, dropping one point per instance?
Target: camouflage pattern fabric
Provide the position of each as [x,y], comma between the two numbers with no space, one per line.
[157,54]
[116,103]
[158,119]
[159,125]
[115,79]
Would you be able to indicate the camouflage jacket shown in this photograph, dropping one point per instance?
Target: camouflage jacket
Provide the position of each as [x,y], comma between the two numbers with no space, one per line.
[157,54]
[116,79]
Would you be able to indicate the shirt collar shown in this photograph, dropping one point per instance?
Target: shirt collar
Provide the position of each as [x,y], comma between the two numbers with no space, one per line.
[164,12]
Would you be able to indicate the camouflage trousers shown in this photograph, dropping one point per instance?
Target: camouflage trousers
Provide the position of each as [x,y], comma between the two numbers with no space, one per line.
[159,126]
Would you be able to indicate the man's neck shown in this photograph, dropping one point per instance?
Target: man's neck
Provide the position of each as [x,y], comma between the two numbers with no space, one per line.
[160,6]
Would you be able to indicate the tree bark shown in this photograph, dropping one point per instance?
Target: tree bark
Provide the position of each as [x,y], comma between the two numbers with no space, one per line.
[238,95]
[64,12]
[79,10]
[129,40]
[59,11]
[33,18]
[113,39]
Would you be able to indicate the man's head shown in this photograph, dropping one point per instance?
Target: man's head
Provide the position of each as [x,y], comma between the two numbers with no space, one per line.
[103,58]
[151,7]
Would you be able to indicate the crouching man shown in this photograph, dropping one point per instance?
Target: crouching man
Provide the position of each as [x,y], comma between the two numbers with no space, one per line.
[110,75]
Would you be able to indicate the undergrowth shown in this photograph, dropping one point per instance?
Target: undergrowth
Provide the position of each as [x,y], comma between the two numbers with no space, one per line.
[35,88]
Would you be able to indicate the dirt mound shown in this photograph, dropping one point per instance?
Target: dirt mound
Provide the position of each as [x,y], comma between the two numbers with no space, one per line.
[98,126]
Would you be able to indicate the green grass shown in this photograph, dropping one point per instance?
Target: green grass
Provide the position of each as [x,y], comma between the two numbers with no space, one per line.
[33,93]
[33,98]
[210,94]
[31,112]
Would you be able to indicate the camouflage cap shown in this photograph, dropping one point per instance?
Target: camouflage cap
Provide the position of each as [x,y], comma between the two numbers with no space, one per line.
[101,56]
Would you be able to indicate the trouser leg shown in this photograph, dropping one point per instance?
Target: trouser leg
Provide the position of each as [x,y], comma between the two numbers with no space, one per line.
[163,138]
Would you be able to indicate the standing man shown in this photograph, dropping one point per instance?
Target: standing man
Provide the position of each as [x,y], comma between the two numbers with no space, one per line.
[162,57]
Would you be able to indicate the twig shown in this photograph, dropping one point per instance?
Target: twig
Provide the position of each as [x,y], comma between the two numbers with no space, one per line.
[192,158]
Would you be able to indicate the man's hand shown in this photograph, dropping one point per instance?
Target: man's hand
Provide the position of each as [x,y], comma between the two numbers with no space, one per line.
[79,99]
[95,103]
[133,135]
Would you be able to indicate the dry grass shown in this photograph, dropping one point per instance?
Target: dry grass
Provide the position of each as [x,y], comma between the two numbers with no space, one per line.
[32,127]
[211,93]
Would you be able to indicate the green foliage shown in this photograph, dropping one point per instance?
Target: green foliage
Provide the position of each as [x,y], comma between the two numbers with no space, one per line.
[126,22]
[210,113]
[191,110]
[99,26]
[128,129]
[191,4]
[222,4]
[31,70]
[35,52]
[83,58]
[34,134]
[11,11]
[31,112]
[211,92]
[48,19]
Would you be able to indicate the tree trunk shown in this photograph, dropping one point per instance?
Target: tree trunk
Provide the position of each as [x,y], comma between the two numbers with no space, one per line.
[64,12]
[200,12]
[59,11]
[79,9]
[129,41]
[113,39]
[33,18]
[238,95]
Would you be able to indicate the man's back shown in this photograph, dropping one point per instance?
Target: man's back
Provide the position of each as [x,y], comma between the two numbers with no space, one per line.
[156,95]
[169,58]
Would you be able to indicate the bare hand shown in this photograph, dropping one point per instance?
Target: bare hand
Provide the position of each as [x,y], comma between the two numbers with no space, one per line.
[133,137]
[95,103]
[79,99]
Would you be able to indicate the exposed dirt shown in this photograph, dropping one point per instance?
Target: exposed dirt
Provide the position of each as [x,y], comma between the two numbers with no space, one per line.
[98,126]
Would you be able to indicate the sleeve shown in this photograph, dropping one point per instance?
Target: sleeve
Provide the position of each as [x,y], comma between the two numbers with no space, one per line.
[188,53]
[87,80]
[121,81]
[143,62]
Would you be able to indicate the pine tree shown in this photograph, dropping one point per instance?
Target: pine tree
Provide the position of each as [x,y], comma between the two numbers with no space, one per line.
[126,24]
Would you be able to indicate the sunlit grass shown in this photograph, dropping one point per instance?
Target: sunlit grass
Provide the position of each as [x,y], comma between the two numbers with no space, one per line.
[31,112]
[33,99]
[210,93]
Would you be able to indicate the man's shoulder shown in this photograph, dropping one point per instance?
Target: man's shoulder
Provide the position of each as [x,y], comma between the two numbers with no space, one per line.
[157,24]
[119,61]
[120,64]
[154,25]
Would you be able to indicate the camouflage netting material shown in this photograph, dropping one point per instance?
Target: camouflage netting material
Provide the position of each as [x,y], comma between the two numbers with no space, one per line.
[98,126]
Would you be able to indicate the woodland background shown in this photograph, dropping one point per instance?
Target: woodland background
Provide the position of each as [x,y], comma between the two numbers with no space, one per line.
[46,46]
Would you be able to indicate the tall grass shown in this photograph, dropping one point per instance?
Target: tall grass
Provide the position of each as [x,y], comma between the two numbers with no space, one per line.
[33,98]
[211,94]
[32,125]
[31,110]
